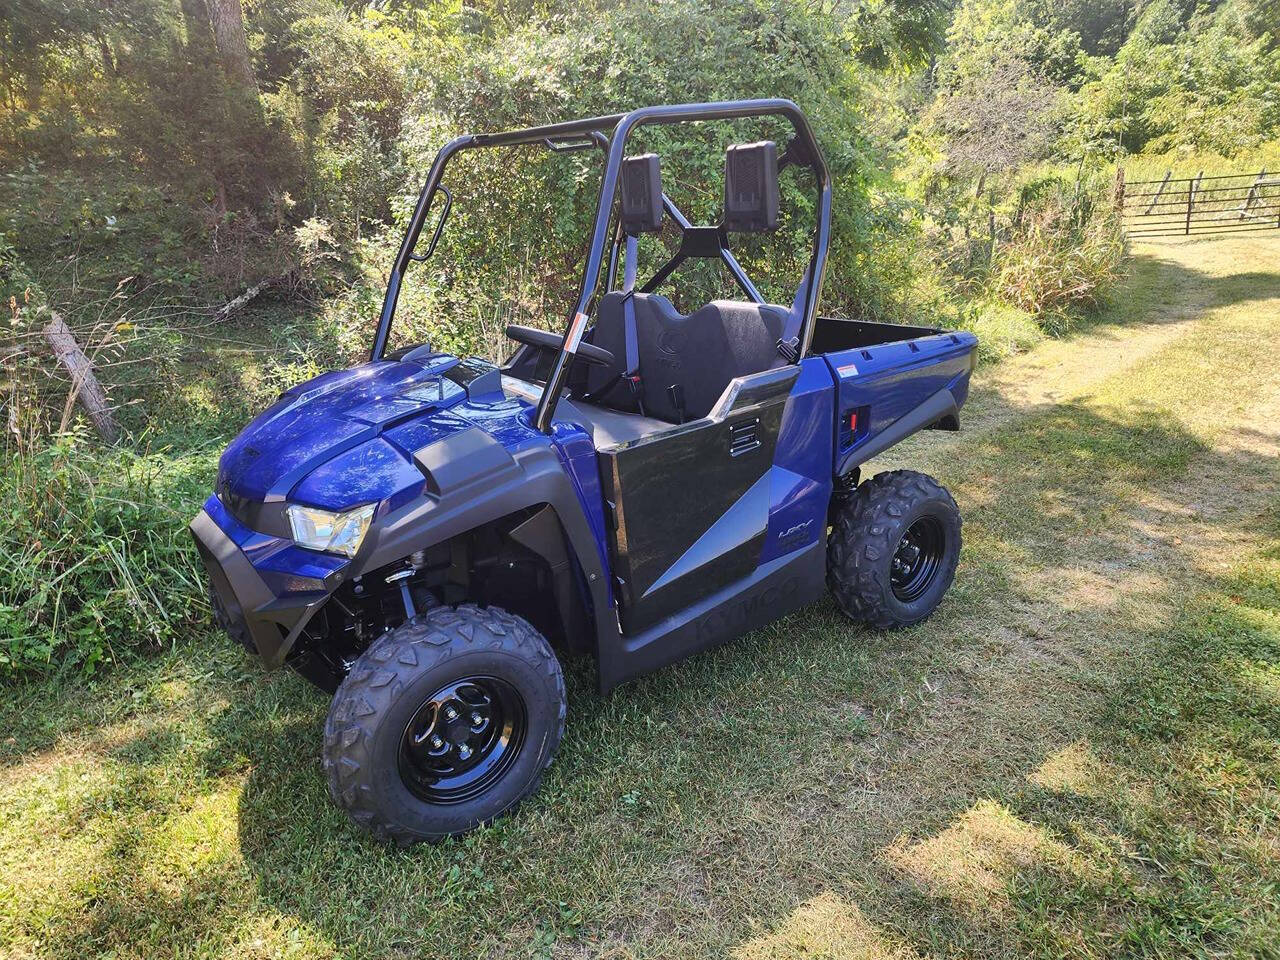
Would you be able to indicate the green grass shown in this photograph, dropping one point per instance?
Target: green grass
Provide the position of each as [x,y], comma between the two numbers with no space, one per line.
[1078,755]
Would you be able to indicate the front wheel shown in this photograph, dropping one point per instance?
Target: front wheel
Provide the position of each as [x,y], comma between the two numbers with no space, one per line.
[444,724]
[893,549]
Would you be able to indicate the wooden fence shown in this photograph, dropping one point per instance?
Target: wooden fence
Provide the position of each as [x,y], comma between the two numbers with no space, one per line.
[1210,205]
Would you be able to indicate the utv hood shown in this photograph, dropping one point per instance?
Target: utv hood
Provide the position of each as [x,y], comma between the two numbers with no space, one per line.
[349,437]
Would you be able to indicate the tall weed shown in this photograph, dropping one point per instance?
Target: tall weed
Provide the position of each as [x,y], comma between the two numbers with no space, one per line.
[97,554]
[1062,256]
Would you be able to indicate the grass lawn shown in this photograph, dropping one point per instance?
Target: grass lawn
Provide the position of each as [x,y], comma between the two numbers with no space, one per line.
[1079,754]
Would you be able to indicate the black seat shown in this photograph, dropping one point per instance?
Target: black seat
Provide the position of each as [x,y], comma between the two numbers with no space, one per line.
[700,352]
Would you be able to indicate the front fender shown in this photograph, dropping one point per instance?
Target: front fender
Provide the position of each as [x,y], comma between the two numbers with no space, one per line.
[472,480]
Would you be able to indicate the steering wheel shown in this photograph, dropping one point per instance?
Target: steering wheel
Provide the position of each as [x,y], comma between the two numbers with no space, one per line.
[544,340]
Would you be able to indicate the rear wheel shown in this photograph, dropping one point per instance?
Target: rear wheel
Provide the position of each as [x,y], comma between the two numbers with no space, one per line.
[893,549]
[444,724]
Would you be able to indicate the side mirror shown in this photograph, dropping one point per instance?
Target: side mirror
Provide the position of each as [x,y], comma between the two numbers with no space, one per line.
[435,237]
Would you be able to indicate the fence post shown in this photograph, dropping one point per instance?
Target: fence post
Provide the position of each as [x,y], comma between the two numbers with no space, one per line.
[1253,192]
[1159,190]
[1119,194]
[1192,186]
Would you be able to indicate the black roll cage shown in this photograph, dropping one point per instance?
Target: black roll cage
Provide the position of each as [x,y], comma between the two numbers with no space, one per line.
[695,241]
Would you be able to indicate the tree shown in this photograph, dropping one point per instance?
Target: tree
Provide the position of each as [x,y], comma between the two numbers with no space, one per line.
[996,120]
[1262,17]
[894,33]
[232,44]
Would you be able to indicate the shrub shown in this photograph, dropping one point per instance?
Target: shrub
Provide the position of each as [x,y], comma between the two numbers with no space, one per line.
[97,556]
[526,212]
[1063,255]
[1001,329]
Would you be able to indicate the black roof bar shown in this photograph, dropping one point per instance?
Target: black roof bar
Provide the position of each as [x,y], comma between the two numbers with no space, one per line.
[568,130]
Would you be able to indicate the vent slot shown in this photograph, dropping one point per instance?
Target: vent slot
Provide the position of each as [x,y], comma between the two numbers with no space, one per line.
[744,437]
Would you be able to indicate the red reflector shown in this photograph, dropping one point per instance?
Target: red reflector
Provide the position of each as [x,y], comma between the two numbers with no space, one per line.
[853,420]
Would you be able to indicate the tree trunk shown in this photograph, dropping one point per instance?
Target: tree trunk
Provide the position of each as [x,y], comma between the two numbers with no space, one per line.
[109,66]
[233,45]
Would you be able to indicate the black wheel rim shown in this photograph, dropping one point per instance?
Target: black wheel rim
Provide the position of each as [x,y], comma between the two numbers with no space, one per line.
[462,740]
[917,558]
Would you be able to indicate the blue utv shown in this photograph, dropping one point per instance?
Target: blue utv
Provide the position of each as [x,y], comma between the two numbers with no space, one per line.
[425,535]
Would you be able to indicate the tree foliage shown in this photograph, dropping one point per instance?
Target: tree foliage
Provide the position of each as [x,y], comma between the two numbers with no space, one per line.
[1160,75]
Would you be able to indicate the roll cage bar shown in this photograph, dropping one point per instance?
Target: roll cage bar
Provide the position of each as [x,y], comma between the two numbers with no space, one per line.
[695,241]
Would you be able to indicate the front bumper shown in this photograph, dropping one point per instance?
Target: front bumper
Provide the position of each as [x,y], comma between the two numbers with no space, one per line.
[268,586]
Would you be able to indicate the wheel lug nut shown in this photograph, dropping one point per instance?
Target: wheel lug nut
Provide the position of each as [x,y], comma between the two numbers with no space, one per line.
[476,719]
[464,751]
[450,713]
[437,743]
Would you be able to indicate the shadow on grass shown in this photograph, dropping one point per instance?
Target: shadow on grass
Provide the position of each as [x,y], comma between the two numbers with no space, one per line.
[1153,834]
[1149,831]
[1160,290]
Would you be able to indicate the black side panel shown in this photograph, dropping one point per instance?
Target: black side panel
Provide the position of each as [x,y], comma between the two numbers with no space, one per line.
[774,589]
[833,334]
[690,511]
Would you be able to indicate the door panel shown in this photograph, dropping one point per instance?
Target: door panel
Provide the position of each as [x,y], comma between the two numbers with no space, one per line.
[690,507]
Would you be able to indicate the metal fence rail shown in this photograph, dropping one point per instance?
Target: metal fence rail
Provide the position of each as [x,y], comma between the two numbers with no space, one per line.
[1211,205]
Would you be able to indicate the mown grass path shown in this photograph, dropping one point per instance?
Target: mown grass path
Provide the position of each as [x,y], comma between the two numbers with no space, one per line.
[1078,755]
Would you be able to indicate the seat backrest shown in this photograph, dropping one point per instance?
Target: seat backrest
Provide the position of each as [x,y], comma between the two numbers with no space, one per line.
[701,352]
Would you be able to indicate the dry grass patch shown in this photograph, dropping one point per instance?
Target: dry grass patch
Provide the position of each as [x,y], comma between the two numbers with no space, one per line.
[825,928]
[973,861]
[1073,769]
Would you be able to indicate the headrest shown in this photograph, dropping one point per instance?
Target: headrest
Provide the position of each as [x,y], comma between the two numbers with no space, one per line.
[751,187]
[641,194]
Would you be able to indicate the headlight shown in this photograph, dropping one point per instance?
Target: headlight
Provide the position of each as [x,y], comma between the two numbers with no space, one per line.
[334,532]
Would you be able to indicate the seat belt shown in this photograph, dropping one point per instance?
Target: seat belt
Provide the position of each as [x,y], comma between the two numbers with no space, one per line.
[789,342]
[631,340]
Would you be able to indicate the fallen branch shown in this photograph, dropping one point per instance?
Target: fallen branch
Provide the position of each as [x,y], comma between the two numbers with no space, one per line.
[258,288]
[84,384]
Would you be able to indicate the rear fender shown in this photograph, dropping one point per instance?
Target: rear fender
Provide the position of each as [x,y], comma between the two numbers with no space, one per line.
[886,392]
[894,413]
[940,407]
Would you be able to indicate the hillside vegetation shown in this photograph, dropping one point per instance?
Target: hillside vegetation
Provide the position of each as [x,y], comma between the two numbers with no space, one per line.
[160,157]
